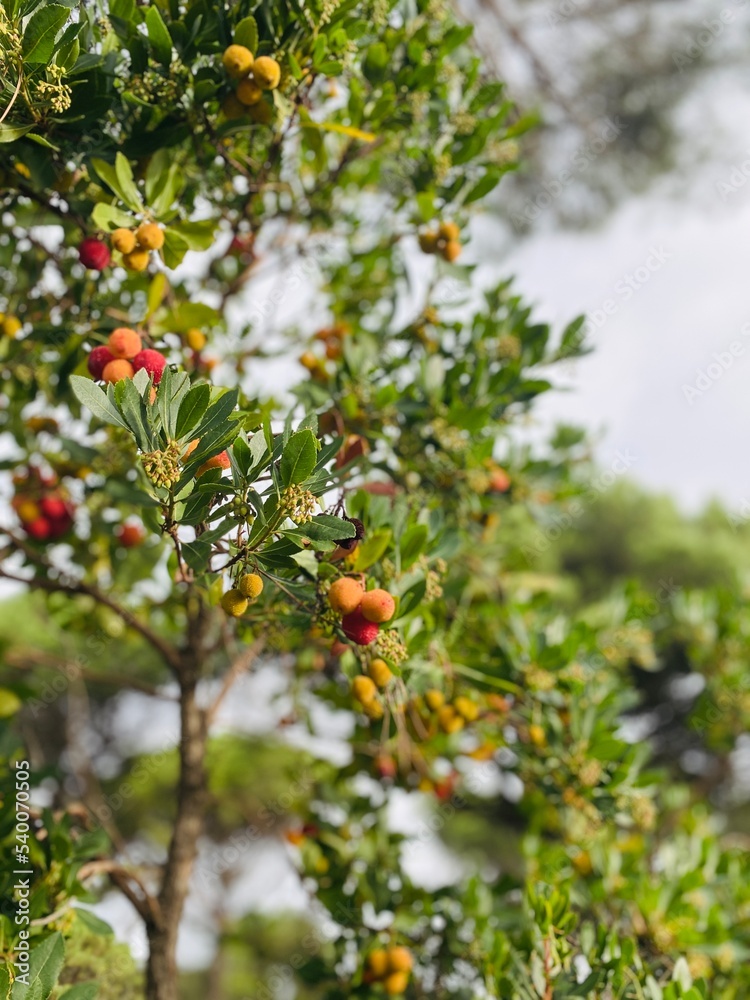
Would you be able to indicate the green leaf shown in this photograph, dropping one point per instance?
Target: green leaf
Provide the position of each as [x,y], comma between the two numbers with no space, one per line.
[156,291]
[412,544]
[175,248]
[369,551]
[197,235]
[41,32]
[299,457]
[94,923]
[158,36]
[9,133]
[109,217]
[95,400]
[45,963]
[326,528]
[124,174]
[246,33]
[192,408]
[110,175]
[82,991]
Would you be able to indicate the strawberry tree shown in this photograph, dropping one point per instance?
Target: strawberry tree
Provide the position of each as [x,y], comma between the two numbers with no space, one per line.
[263,414]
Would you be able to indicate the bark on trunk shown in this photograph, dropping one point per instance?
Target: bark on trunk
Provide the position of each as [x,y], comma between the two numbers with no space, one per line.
[161,973]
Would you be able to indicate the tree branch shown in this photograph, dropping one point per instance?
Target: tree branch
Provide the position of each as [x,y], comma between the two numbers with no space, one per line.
[51,585]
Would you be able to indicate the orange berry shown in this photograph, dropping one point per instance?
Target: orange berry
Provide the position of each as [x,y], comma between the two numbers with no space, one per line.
[116,370]
[378,606]
[396,983]
[377,963]
[449,231]
[124,343]
[400,959]
[451,251]
[345,595]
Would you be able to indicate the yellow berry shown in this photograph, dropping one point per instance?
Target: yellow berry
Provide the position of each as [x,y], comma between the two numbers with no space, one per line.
[232,107]
[466,708]
[380,672]
[449,231]
[396,983]
[377,963]
[149,236]
[238,61]
[249,92]
[449,719]
[364,689]
[123,240]
[266,72]
[196,339]
[251,585]
[234,603]
[137,260]
[435,699]
[400,959]
[11,326]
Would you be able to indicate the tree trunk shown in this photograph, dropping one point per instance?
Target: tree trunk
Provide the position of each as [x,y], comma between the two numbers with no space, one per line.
[161,973]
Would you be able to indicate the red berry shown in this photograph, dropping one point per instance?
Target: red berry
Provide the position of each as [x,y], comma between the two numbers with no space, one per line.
[54,508]
[152,361]
[99,357]
[60,526]
[130,535]
[357,628]
[39,529]
[94,254]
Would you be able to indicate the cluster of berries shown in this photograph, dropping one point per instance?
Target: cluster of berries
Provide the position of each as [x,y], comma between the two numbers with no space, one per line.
[391,967]
[136,245]
[123,356]
[249,588]
[444,241]
[42,508]
[363,611]
[254,76]
[9,325]
[451,716]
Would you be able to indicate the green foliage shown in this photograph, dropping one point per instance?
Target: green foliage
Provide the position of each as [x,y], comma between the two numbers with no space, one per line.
[594,870]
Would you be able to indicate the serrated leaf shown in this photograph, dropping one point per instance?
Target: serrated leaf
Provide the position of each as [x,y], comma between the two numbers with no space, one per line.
[246,33]
[158,36]
[298,458]
[41,32]
[95,400]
